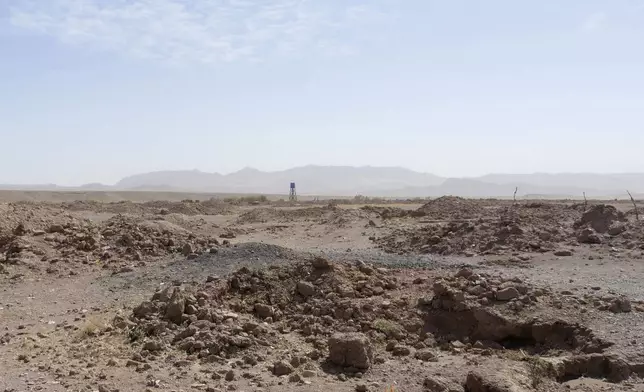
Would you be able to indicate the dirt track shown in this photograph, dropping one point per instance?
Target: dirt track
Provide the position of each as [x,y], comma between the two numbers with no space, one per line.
[445,294]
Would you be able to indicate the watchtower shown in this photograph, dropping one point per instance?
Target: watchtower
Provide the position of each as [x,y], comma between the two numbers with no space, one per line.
[292,196]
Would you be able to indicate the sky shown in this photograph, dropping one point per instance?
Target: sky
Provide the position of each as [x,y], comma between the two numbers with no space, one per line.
[95,90]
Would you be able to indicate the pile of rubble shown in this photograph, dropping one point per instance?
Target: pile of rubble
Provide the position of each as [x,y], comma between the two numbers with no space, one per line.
[113,243]
[163,207]
[330,215]
[453,207]
[308,318]
[533,227]
[252,311]
[271,214]
[478,237]
[604,224]
[392,212]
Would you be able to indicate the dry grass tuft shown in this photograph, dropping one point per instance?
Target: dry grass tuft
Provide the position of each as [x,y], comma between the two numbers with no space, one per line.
[92,326]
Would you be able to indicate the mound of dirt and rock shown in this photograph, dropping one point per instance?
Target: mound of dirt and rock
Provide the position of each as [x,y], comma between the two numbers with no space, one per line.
[506,235]
[328,215]
[185,207]
[293,323]
[453,207]
[532,227]
[114,243]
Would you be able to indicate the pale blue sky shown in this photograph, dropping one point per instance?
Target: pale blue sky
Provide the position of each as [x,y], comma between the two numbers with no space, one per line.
[94,90]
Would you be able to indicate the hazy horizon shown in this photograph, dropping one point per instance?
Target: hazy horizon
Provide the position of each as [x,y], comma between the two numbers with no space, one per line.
[94,90]
[508,174]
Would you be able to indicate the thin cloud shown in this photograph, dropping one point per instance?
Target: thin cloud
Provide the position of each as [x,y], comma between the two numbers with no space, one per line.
[594,22]
[197,31]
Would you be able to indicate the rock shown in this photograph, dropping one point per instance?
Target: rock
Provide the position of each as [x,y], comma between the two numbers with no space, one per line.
[350,350]
[620,305]
[616,229]
[477,290]
[563,253]
[361,388]
[308,374]
[507,294]
[440,288]
[401,351]
[295,378]
[595,366]
[600,217]
[19,230]
[365,269]
[588,236]
[176,306]
[618,369]
[187,250]
[153,345]
[282,368]
[321,263]
[464,273]
[457,344]
[163,295]
[425,355]
[55,229]
[440,384]
[264,311]
[490,382]
[306,289]
[145,309]
[230,376]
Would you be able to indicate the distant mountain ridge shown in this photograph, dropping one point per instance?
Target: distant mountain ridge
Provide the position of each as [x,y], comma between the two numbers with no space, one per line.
[371,181]
[324,180]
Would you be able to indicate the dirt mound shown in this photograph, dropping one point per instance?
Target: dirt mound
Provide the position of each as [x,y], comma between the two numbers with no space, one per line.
[129,236]
[393,212]
[111,244]
[476,307]
[268,214]
[452,207]
[185,207]
[315,316]
[533,227]
[244,316]
[600,218]
[470,238]
[329,214]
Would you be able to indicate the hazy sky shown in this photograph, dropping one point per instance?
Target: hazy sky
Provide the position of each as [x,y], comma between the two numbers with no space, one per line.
[93,90]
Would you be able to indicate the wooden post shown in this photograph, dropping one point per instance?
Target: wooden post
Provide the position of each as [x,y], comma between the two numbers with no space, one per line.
[515,194]
[637,215]
[585,203]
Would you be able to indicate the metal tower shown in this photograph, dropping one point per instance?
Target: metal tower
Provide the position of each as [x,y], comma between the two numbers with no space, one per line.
[292,196]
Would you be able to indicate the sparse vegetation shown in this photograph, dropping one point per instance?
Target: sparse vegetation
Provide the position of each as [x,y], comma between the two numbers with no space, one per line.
[539,370]
[92,326]
[135,334]
[388,327]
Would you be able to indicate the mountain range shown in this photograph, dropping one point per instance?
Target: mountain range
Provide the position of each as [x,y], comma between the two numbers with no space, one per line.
[372,181]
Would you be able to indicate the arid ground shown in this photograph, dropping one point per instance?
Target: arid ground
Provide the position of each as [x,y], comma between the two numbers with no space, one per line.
[449,295]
